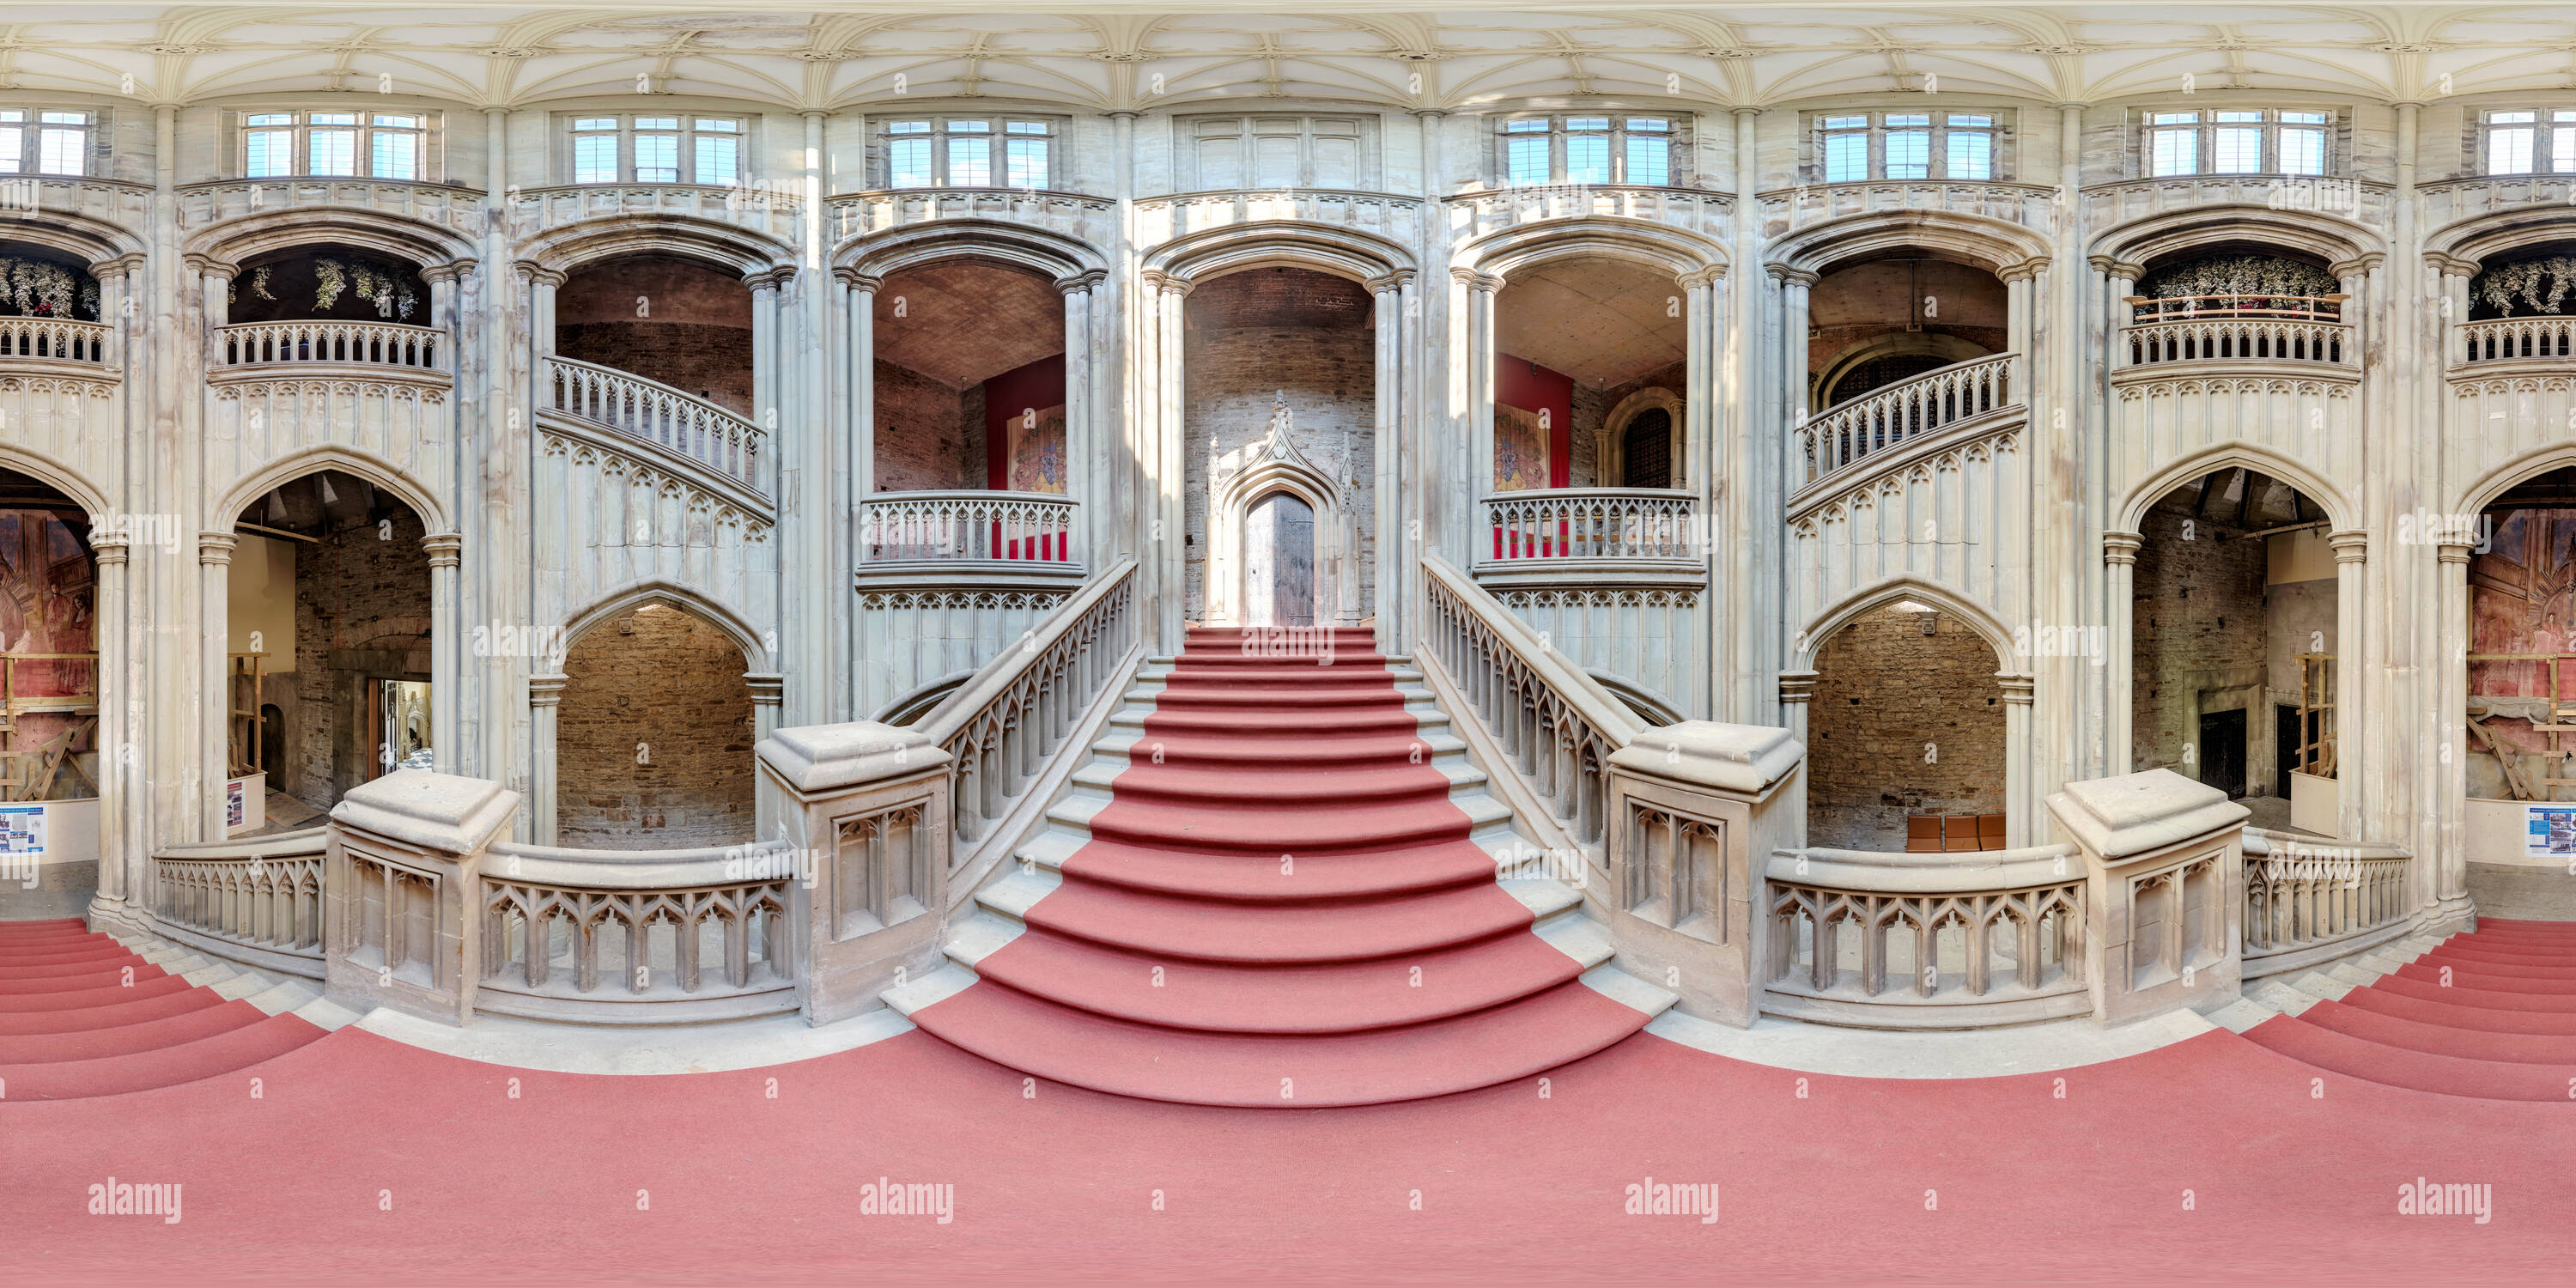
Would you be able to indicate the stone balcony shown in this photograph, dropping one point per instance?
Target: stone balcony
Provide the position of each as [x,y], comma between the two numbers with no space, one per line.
[1470,215]
[452,206]
[1068,214]
[1785,210]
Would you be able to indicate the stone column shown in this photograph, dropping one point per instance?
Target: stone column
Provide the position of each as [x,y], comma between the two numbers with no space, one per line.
[768,689]
[2120,570]
[1386,456]
[541,283]
[214,582]
[545,697]
[2452,910]
[2352,766]
[1083,450]
[1170,461]
[442,281]
[1797,690]
[862,303]
[214,299]
[446,662]
[766,369]
[1795,397]
[1476,471]
[2021,813]
[109,548]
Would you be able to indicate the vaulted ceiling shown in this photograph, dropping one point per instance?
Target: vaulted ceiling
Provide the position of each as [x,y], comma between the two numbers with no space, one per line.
[1414,54]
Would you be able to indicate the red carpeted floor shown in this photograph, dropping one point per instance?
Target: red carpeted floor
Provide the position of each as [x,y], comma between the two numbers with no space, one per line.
[2490,1014]
[1280,908]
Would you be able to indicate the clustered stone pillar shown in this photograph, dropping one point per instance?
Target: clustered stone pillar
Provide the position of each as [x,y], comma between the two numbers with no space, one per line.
[214,581]
[1796,286]
[446,551]
[2120,570]
[2021,813]
[1477,471]
[2452,910]
[1081,438]
[545,701]
[1393,555]
[109,547]
[2352,554]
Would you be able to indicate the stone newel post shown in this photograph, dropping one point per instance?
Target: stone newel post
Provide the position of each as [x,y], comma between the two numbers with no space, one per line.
[2165,906]
[866,806]
[1695,810]
[402,915]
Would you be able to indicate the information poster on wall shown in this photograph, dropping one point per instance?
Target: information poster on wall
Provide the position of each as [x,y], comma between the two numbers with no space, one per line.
[2551,831]
[236,803]
[22,829]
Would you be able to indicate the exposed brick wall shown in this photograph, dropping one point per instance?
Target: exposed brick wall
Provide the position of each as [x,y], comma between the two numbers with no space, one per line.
[671,681]
[925,439]
[2196,619]
[362,614]
[713,362]
[1884,689]
[1587,427]
[1255,333]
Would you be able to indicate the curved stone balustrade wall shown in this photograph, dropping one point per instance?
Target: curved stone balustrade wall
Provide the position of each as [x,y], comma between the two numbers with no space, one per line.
[1886,417]
[771,210]
[1068,214]
[55,340]
[1786,210]
[637,936]
[1898,940]
[2539,339]
[451,206]
[321,343]
[255,901]
[1474,214]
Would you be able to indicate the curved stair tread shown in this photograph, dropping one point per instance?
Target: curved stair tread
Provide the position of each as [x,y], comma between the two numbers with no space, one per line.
[2369,1061]
[86,978]
[82,999]
[2490,999]
[131,1038]
[2434,1039]
[1291,829]
[2460,976]
[1256,878]
[2474,1019]
[1333,997]
[1268,1071]
[228,1052]
[1285,790]
[84,1019]
[1154,925]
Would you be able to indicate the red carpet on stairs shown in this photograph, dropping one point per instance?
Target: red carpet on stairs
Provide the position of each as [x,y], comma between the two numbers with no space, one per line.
[1280,907]
[82,1016]
[2491,1014]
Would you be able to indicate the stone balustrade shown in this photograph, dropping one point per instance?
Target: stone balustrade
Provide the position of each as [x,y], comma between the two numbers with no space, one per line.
[2444,204]
[2163,860]
[1691,804]
[1888,416]
[258,901]
[1473,214]
[402,911]
[2307,902]
[681,425]
[1161,219]
[2237,339]
[773,209]
[1599,528]
[450,205]
[1892,940]
[1785,210]
[864,808]
[2108,205]
[1003,725]
[1070,214]
[55,340]
[637,936]
[2531,339]
[319,342]
[956,528]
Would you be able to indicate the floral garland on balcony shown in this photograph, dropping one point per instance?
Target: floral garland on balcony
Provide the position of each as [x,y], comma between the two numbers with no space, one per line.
[378,285]
[2254,275]
[42,288]
[2505,283]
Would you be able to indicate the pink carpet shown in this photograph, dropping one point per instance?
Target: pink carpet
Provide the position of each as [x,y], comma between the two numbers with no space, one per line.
[743,1187]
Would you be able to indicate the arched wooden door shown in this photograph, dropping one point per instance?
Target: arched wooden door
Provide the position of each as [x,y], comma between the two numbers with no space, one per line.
[1279,562]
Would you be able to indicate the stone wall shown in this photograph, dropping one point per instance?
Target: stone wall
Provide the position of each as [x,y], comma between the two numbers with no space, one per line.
[1884,690]
[683,323]
[1252,335]
[362,614]
[929,437]
[671,683]
[2197,642]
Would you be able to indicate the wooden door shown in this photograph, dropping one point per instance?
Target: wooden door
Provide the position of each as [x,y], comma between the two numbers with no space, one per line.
[1292,561]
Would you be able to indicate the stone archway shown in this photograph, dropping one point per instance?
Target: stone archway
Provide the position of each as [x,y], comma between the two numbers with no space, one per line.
[1274,467]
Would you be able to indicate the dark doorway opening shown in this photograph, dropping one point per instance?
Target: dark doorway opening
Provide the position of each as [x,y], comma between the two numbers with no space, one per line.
[2222,751]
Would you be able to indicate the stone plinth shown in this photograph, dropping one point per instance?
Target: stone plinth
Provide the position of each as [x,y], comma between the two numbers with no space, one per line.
[867,807]
[1691,805]
[2164,859]
[402,909]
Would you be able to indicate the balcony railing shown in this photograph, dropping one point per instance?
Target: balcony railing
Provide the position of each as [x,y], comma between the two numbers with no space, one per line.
[679,423]
[2509,339]
[2187,308]
[1646,526]
[257,901]
[637,936]
[376,344]
[2306,894]
[1887,416]
[968,527]
[58,339]
[2266,339]
[1989,930]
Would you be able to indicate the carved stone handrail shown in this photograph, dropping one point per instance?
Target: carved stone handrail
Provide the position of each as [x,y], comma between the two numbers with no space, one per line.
[377,344]
[1004,723]
[2209,339]
[729,946]
[770,208]
[1492,209]
[256,901]
[1645,528]
[54,340]
[2122,201]
[857,214]
[2305,894]
[1891,414]
[453,205]
[1162,218]
[679,423]
[2532,339]
[2458,199]
[1556,725]
[948,528]
[2185,308]
[2019,915]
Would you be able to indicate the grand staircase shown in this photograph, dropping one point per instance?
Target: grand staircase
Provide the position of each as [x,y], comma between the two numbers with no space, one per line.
[82,1014]
[2489,1014]
[1276,884]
